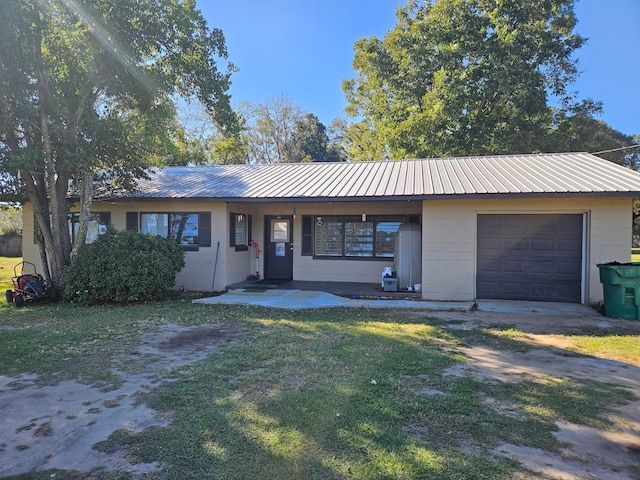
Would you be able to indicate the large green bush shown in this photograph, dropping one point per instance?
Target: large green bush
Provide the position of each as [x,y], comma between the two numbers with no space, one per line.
[123,267]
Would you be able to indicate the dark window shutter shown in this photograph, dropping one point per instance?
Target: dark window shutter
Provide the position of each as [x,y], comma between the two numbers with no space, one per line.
[105,218]
[232,229]
[204,229]
[249,234]
[307,235]
[132,220]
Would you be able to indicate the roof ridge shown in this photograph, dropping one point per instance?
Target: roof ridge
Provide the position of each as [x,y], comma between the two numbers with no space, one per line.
[307,164]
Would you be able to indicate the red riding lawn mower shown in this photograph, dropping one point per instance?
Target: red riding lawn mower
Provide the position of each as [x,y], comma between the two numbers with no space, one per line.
[27,287]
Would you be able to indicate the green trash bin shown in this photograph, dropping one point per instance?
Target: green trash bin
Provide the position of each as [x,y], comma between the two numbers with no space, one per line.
[621,283]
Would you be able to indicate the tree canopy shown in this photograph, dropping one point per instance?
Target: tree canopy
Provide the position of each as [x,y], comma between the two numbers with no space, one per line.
[87,87]
[268,128]
[279,131]
[465,77]
[309,141]
[578,130]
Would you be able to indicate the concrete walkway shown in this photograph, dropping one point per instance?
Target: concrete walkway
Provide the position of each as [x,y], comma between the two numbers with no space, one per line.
[307,299]
[302,299]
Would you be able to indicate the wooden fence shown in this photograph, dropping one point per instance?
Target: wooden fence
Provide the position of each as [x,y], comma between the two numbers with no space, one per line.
[10,245]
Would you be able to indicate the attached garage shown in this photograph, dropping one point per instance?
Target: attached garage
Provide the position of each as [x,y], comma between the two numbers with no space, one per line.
[530,257]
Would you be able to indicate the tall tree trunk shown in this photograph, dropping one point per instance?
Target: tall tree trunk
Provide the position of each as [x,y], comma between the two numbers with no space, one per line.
[86,201]
[37,195]
[59,225]
[37,233]
[53,185]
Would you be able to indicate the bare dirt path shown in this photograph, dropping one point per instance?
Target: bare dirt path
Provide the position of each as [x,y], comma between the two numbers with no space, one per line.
[612,454]
[55,427]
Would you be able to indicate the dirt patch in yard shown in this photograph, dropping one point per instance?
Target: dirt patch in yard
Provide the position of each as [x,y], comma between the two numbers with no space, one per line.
[55,427]
[612,453]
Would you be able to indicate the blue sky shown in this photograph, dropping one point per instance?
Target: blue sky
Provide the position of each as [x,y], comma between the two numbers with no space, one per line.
[304,49]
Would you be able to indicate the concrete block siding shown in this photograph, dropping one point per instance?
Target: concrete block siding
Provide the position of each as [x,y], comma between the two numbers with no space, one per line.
[449,237]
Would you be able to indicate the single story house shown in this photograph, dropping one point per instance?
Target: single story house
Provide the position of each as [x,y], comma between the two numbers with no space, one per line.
[522,227]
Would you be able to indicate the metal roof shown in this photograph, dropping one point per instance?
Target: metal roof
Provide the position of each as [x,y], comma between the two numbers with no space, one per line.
[558,174]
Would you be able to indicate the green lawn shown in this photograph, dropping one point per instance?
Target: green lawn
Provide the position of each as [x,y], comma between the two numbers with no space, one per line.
[6,272]
[326,394]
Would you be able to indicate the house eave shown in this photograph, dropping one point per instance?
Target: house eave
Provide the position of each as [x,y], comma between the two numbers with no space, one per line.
[396,198]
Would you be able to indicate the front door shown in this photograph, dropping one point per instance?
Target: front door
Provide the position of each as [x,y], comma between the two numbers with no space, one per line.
[279,247]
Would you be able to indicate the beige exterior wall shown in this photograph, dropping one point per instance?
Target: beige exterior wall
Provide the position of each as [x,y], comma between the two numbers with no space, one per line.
[450,238]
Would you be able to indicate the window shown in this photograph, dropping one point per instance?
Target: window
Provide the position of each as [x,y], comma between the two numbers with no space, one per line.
[97,225]
[386,230]
[188,229]
[358,237]
[280,231]
[328,238]
[351,237]
[155,224]
[184,228]
[181,227]
[239,231]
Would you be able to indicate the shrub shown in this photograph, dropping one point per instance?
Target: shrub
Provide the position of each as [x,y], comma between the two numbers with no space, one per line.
[122,267]
[10,220]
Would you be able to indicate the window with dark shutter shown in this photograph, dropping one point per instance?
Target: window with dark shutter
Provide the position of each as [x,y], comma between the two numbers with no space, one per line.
[190,230]
[239,231]
[97,224]
[132,221]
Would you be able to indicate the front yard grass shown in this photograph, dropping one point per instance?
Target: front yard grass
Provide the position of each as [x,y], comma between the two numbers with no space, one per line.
[6,273]
[324,394]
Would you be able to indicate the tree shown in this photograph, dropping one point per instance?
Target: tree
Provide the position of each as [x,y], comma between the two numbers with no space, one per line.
[269,128]
[576,129]
[462,77]
[200,141]
[231,150]
[88,88]
[279,131]
[361,143]
[309,141]
[336,151]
